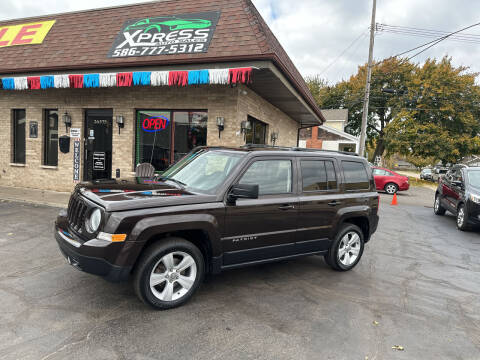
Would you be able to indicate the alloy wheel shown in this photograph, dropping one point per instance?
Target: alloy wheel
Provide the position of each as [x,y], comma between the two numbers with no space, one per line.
[437,203]
[173,276]
[391,189]
[349,248]
[460,217]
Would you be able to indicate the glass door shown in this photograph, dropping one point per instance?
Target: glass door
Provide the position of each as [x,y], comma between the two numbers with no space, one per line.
[98,144]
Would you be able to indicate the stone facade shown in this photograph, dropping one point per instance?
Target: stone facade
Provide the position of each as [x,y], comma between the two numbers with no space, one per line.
[234,104]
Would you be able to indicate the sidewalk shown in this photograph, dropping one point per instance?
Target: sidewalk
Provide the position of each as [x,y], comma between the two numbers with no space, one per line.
[35,196]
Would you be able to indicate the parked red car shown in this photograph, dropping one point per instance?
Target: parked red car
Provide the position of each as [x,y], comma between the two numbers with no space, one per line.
[389,181]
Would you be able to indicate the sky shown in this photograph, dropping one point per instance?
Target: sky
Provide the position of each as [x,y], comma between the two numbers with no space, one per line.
[330,37]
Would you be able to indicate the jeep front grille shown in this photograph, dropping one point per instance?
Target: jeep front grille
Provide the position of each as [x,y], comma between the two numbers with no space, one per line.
[77,210]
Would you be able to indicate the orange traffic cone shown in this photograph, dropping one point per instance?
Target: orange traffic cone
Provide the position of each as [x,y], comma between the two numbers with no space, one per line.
[394,200]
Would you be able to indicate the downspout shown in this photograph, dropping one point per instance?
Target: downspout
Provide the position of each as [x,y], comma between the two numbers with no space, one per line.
[298,132]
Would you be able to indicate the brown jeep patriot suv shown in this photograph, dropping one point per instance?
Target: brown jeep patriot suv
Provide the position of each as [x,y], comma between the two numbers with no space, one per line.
[218,209]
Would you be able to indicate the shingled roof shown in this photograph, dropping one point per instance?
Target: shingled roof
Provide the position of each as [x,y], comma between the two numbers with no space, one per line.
[82,40]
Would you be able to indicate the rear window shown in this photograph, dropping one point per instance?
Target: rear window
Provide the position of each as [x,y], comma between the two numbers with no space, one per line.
[318,175]
[355,174]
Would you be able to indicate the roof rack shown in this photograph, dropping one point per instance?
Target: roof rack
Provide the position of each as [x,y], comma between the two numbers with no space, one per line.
[286,148]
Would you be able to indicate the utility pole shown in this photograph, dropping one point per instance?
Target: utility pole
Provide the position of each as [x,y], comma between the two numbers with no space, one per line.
[363,133]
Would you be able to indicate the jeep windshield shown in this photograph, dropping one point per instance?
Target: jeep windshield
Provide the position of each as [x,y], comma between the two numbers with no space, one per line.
[474,178]
[203,171]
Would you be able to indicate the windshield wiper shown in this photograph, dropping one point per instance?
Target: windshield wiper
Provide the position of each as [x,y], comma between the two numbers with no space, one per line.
[182,184]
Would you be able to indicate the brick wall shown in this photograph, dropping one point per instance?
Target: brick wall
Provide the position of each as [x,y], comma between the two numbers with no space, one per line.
[314,142]
[234,104]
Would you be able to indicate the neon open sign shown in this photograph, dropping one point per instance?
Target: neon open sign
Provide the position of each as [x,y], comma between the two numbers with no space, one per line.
[156,123]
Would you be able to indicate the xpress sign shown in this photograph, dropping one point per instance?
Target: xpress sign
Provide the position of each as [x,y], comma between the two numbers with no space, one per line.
[164,35]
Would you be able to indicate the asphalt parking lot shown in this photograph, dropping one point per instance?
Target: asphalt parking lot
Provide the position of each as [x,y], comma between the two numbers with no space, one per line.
[417,286]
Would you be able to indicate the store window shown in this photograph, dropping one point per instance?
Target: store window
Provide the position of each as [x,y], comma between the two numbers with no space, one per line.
[190,132]
[18,127]
[257,133]
[164,136]
[50,138]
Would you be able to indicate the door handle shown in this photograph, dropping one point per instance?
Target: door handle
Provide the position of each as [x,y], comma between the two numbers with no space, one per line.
[286,207]
[334,203]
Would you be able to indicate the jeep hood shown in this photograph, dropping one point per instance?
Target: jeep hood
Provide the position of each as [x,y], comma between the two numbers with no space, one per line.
[138,193]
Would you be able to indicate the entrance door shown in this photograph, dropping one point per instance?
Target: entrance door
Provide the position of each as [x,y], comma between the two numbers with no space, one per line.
[98,144]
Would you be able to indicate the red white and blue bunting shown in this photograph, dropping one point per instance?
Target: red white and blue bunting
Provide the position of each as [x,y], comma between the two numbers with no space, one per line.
[127,79]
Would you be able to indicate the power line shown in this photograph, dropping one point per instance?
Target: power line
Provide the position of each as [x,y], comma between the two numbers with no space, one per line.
[343,52]
[433,43]
[410,31]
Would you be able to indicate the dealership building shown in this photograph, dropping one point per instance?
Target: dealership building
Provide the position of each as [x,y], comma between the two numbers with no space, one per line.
[92,94]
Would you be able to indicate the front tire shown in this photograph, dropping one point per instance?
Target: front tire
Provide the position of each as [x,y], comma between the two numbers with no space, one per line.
[391,188]
[168,273]
[462,218]
[438,209]
[347,248]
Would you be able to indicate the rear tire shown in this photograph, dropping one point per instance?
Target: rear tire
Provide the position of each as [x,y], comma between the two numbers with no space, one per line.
[391,188]
[462,218]
[347,248]
[168,273]
[438,209]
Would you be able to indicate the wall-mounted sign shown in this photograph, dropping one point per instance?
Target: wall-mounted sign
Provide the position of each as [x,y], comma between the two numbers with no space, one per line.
[99,161]
[156,123]
[25,34]
[164,35]
[33,129]
[76,160]
[75,133]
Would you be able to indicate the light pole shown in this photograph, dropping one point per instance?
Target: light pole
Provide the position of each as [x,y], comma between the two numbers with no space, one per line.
[363,133]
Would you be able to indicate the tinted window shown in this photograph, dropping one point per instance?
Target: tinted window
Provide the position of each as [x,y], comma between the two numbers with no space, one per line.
[272,176]
[314,175]
[318,175]
[356,177]
[331,175]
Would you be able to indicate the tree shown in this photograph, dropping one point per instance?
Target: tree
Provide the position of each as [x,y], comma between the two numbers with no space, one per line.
[441,117]
[428,112]
[389,74]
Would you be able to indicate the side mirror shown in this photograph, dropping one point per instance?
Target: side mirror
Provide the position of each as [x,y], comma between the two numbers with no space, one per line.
[243,191]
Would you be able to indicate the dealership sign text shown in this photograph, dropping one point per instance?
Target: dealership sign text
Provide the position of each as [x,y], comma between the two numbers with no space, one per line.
[163,35]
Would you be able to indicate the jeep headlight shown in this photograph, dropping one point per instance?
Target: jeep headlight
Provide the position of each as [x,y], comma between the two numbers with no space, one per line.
[94,220]
[475,198]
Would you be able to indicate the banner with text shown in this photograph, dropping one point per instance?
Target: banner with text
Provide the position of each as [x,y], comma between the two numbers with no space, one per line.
[24,34]
[165,35]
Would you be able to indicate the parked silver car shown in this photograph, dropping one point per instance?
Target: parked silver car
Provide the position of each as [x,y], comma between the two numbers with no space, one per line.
[438,173]
[426,174]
